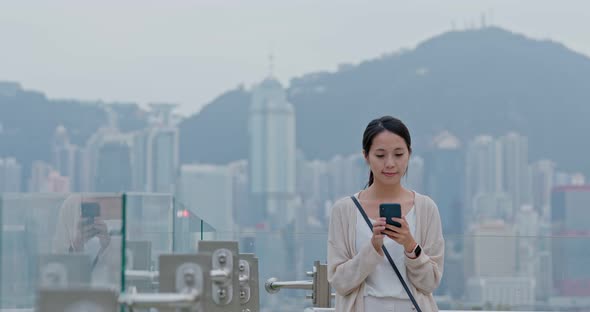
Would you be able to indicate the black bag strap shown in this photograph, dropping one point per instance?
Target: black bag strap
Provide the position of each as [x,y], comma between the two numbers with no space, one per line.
[401,278]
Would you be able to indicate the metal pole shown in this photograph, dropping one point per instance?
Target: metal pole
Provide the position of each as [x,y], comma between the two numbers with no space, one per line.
[273,285]
[160,300]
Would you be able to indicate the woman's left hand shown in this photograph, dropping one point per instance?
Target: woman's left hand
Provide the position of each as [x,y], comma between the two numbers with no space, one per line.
[401,235]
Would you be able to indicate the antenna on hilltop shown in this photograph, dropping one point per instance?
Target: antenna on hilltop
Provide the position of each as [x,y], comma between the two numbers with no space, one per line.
[271,64]
[271,60]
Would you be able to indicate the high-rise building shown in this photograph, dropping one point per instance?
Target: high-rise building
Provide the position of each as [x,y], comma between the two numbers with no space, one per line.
[516,179]
[113,173]
[444,174]
[569,215]
[56,183]
[490,250]
[156,152]
[89,157]
[239,175]
[10,175]
[207,191]
[347,175]
[483,172]
[272,163]
[162,160]
[414,178]
[507,291]
[65,156]
[40,170]
[140,155]
[543,173]
[272,153]
[492,206]
[527,225]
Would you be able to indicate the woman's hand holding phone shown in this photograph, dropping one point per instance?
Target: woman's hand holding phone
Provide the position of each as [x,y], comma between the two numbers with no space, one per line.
[396,226]
[86,229]
[377,238]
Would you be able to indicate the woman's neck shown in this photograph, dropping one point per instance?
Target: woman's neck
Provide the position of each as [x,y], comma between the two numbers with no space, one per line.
[382,192]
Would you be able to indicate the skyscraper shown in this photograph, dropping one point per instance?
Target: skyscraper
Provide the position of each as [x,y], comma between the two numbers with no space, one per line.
[483,172]
[490,250]
[515,169]
[414,178]
[89,157]
[162,159]
[239,175]
[272,160]
[40,170]
[207,191]
[569,216]
[444,169]
[113,173]
[272,153]
[542,176]
[10,175]
[65,156]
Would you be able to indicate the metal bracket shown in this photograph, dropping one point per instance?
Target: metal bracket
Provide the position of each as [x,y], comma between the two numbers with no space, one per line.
[222,275]
[189,277]
[244,268]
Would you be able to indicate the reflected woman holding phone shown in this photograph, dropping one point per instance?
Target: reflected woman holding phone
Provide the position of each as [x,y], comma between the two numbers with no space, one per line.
[87,225]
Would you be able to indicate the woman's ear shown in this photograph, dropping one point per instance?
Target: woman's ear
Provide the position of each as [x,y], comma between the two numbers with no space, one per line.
[366,156]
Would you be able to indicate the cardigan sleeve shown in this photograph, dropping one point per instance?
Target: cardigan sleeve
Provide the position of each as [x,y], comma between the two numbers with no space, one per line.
[346,272]
[425,272]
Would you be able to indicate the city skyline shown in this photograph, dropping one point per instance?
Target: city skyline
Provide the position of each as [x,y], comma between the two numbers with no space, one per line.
[194,72]
[134,135]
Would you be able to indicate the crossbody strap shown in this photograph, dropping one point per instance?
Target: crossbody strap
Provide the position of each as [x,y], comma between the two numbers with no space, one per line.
[401,278]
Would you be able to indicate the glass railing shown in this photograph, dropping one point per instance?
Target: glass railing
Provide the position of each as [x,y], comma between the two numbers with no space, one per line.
[492,272]
[54,246]
[189,228]
[518,273]
[54,242]
[59,244]
[149,231]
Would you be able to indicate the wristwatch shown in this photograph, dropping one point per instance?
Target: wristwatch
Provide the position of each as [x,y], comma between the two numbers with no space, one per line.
[415,253]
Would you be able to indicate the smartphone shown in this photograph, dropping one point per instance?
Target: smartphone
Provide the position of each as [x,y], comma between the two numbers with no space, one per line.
[390,210]
[90,211]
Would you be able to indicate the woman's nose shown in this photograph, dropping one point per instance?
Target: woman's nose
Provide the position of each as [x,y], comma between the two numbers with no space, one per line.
[389,162]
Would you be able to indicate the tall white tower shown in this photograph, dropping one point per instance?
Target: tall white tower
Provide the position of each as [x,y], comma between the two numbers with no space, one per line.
[271,128]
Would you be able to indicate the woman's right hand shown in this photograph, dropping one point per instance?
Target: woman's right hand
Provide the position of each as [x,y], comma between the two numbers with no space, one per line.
[377,239]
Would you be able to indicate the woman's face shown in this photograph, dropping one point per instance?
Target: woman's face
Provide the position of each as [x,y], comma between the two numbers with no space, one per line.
[388,158]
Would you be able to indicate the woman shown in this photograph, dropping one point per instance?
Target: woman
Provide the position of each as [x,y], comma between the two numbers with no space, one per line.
[362,276]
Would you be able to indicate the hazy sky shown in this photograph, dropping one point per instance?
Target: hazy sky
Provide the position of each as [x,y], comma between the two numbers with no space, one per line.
[189,52]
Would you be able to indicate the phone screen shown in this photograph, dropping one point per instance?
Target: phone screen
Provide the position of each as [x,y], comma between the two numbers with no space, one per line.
[390,210]
[90,210]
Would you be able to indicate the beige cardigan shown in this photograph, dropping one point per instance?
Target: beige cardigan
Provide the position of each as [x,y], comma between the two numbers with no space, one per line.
[347,269]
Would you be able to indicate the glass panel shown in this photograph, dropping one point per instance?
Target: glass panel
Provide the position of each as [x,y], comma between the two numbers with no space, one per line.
[51,241]
[189,228]
[516,273]
[149,231]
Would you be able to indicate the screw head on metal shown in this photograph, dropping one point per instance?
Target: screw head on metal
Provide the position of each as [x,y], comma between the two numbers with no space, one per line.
[221,293]
[189,279]
[222,259]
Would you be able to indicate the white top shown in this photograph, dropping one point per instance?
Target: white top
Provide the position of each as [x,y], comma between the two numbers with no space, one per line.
[383,282]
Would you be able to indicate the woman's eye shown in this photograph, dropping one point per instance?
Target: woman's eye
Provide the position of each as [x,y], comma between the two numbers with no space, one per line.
[399,155]
[379,156]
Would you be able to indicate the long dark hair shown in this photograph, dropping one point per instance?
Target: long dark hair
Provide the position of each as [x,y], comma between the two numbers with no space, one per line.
[385,123]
